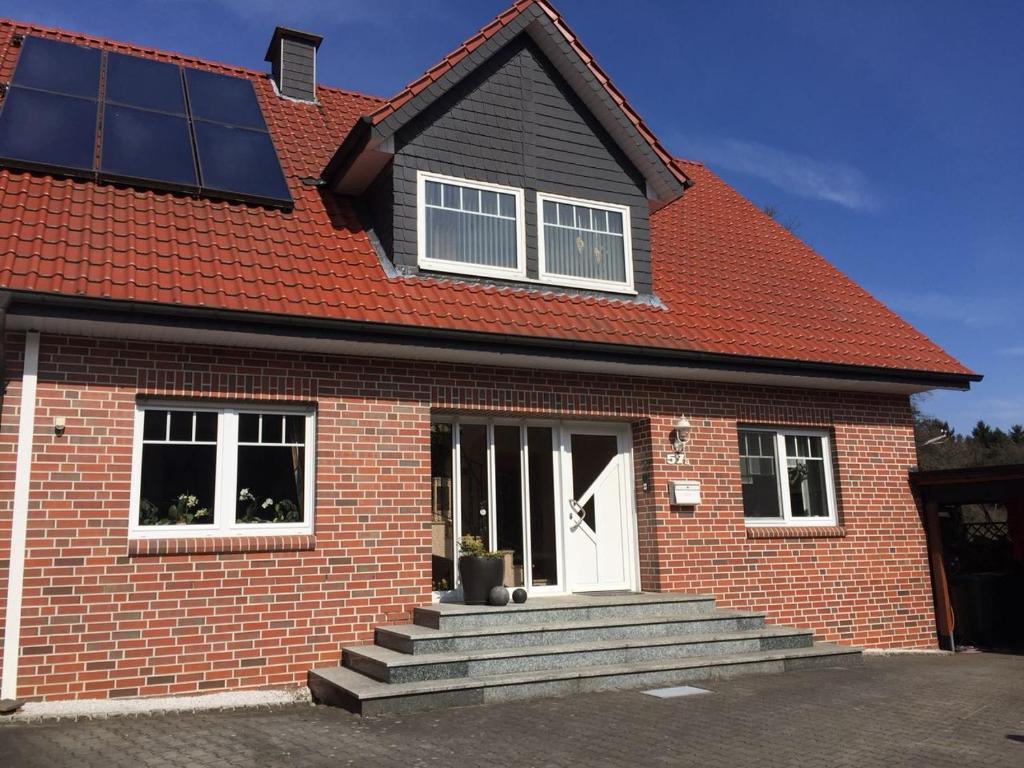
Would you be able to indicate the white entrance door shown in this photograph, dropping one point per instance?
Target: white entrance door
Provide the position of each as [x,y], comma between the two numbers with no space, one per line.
[596,508]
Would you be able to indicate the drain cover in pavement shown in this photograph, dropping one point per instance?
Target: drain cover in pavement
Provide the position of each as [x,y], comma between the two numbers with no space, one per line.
[679,690]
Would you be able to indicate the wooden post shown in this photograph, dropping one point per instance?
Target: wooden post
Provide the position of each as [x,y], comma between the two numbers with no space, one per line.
[943,607]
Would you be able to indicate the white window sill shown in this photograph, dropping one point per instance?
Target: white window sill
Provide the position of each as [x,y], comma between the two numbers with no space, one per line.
[207,545]
[438,271]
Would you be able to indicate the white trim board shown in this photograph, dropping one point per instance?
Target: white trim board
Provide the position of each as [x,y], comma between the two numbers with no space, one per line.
[19,521]
[440,353]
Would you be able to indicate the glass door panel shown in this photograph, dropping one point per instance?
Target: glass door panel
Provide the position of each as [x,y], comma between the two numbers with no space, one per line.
[543,537]
[508,498]
[442,532]
[473,481]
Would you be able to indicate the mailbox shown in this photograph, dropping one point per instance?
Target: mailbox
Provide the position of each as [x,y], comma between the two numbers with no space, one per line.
[685,492]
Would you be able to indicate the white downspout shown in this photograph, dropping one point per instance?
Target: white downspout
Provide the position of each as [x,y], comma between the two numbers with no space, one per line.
[19,522]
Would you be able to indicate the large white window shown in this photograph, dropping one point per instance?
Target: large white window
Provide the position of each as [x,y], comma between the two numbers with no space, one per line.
[470,227]
[584,244]
[786,477]
[204,470]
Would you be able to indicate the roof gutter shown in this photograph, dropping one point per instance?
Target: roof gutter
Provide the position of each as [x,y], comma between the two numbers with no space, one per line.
[80,308]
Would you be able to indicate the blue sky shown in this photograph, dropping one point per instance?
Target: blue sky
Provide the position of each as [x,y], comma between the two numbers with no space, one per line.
[891,133]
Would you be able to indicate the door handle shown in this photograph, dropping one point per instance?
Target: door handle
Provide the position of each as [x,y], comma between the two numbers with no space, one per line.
[581,512]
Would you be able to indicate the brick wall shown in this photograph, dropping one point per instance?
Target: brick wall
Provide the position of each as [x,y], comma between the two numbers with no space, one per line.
[103,617]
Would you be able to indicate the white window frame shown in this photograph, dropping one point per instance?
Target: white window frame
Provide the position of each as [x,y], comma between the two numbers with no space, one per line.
[782,474]
[458,267]
[226,474]
[580,282]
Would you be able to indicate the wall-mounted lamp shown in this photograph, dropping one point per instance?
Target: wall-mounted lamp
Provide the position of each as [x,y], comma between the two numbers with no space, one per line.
[59,425]
[681,435]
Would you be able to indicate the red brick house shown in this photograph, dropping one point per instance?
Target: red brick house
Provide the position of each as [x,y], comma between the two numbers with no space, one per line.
[270,347]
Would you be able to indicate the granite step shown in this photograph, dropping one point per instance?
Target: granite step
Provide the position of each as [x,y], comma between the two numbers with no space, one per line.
[416,639]
[561,609]
[392,666]
[343,687]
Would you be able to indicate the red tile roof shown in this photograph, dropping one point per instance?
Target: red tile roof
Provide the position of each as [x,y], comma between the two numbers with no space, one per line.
[730,280]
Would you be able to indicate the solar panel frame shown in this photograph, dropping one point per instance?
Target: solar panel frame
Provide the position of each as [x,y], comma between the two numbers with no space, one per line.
[163,89]
[51,65]
[214,163]
[154,145]
[40,122]
[223,99]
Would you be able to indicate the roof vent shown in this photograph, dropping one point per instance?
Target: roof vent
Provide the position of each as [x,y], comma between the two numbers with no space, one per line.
[292,57]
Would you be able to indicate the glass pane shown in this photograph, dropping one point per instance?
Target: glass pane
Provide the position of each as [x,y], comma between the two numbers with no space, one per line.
[550,212]
[433,190]
[757,475]
[144,83]
[489,202]
[508,490]
[473,480]
[248,427]
[508,205]
[295,429]
[154,425]
[452,197]
[583,217]
[178,484]
[442,536]
[807,491]
[471,239]
[223,99]
[272,426]
[181,426]
[206,426]
[600,220]
[584,254]
[239,161]
[615,222]
[60,67]
[147,145]
[48,129]
[470,200]
[270,483]
[566,216]
[543,546]
[590,455]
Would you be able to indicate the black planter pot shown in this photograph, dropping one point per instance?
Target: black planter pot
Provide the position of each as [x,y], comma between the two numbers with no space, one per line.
[479,575]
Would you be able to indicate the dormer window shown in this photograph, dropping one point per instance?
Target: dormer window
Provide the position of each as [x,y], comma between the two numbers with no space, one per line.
[584,244]
[470,227]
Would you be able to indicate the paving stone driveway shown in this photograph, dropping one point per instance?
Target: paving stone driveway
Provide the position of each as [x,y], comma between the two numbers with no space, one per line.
[921,711]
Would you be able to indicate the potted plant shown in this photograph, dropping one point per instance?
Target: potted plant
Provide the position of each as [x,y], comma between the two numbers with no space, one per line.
[480,570]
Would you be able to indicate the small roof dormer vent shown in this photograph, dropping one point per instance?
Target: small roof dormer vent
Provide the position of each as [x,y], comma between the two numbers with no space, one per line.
[292,57]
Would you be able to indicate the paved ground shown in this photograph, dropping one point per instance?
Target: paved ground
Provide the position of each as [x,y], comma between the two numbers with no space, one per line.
[921,711]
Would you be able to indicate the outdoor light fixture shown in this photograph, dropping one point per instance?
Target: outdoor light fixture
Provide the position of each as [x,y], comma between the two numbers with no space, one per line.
[59,425]
[681,435]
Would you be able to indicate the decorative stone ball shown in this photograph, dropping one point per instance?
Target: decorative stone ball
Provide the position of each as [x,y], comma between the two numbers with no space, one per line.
[497,596]
[519,596]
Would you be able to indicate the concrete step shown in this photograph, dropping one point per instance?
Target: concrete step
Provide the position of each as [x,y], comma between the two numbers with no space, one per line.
[561,609]
[417,639]
[391,666]
[340,686]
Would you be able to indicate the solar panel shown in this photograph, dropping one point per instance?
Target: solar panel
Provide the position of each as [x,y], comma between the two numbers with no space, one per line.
[51,65]
[149,146]
[223,99]
[163,126]
[48,129]
[239,161]
[144,83]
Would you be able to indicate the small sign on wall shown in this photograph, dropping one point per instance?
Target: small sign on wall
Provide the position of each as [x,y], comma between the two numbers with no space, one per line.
[685,492]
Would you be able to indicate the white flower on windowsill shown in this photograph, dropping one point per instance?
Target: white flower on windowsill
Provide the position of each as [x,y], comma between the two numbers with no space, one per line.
[267,503]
